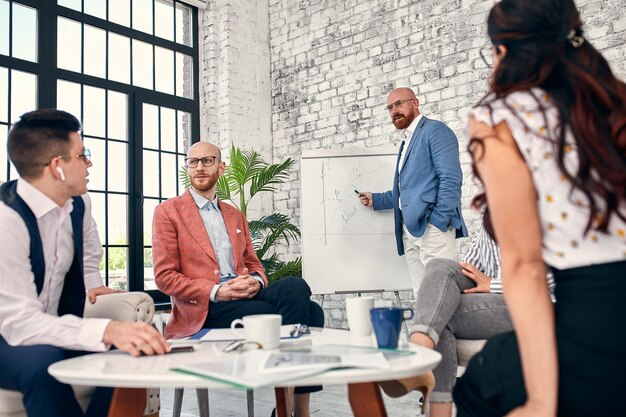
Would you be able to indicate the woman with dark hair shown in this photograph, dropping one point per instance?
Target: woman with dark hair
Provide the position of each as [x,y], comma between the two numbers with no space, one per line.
[549,144]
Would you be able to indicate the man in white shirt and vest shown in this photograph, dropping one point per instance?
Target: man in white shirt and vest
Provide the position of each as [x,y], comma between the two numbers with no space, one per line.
[49,264]
[426,192]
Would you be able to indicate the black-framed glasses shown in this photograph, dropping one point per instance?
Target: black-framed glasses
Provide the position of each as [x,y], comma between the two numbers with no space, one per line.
[85,156]
[207,161]
[397,103]
[487,55]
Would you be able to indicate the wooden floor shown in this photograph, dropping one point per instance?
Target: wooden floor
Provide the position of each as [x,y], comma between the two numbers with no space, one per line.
[331,402]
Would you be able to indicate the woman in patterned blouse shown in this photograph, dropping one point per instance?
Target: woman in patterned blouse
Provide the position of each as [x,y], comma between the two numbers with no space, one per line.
[549,144]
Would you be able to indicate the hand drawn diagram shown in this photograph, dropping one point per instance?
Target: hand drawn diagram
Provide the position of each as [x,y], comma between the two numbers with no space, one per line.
[341,235]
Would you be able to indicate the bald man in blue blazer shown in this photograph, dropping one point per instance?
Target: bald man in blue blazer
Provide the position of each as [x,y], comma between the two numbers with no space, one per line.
[426,193]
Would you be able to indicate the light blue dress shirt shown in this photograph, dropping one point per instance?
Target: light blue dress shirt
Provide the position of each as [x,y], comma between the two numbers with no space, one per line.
[218,234]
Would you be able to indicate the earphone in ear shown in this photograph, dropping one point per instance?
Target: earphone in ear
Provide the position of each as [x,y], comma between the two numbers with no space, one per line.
[61,174]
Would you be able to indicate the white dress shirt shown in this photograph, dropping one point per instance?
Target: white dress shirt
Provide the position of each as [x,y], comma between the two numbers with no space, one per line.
[30,319]
[407,134]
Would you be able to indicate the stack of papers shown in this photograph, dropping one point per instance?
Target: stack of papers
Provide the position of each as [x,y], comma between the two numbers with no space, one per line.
[257,368]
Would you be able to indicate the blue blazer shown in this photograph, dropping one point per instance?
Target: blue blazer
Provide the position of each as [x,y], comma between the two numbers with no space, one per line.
[429,183]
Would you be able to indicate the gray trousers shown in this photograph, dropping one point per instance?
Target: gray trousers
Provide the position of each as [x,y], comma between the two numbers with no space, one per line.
[444,313]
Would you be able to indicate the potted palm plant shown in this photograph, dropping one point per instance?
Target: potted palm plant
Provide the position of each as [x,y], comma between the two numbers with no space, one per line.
[246,176]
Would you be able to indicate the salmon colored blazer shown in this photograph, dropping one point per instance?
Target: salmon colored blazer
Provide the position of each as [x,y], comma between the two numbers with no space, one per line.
[185,265]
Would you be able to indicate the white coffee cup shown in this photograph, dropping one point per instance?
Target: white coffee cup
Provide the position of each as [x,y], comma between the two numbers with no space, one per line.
[358,312]
[260,328]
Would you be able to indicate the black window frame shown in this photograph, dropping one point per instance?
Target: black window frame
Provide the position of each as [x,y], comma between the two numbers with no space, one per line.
[48,74]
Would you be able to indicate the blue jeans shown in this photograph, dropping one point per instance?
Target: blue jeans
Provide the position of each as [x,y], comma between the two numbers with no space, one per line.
[25,369]
[444,313]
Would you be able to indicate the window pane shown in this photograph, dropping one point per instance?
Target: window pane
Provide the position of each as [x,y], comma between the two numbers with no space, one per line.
[184,131]
[24,32]
[93,111]
[169,175]
[164,19]
[4,98]
[12,172]
[119,12]
[150,174]
[118,268]
[4,27]
[150,126]
[26,100]
[168,129]
[3,152]
[184,81]
[164,66]
[95,49]
[72,4]
[184,25]
[148,213]
[97,211]
[117,210]
[98,158]
[68,98]
[96,8]
[118,161]
[119,58]
[117,117]
[142,64]
[148,271]
[68,44]
[142,15]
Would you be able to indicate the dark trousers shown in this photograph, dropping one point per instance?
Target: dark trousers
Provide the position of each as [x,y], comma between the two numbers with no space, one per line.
[591,345]
[289,297]
[25,369]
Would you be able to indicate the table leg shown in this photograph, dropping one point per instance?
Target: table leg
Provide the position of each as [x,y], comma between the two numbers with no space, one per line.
[281,401]
[128,402]
[365,400]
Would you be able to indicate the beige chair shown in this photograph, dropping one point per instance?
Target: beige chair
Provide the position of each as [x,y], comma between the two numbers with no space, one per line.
[465,350]
[133,306]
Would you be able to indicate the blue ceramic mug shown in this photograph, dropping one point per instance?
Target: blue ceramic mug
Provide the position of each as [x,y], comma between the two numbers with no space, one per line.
[386,322]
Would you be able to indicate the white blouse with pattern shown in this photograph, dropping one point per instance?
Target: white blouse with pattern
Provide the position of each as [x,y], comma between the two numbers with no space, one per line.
[564,212]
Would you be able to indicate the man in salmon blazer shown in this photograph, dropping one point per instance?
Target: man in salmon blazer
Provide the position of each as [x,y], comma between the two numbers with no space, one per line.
[204,259]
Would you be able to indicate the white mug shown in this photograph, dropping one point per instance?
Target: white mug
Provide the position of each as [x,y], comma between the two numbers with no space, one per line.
[260,328]
[358,312]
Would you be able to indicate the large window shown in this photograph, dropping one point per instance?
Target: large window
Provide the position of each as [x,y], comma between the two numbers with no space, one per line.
[128,70]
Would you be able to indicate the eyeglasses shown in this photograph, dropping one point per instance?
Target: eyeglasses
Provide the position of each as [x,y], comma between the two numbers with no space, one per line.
[487,55]
[85,156]
[207,161]
[398,103]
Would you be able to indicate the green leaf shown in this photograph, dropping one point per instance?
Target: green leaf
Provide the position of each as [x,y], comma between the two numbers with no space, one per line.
[291,268]
[270,176]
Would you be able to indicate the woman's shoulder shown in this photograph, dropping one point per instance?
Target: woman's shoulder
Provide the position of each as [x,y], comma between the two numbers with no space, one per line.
[516,106]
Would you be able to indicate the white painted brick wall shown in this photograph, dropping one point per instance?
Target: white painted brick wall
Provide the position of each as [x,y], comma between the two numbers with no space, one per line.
[363,49]
[332,62]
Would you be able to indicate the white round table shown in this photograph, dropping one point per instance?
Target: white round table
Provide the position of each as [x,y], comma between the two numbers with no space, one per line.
[127,373]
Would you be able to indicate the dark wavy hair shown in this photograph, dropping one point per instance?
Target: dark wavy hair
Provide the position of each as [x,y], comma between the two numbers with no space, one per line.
[541,52]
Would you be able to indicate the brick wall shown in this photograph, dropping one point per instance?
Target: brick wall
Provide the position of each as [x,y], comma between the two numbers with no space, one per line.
[235,93]
[331,64]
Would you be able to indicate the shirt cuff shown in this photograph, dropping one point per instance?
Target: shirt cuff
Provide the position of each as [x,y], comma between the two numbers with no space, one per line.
[91,334]
[213,292]
[256,276]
